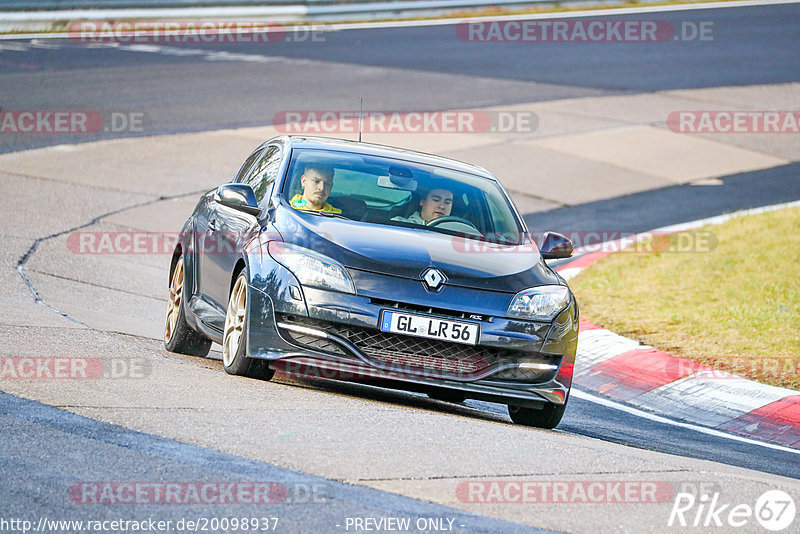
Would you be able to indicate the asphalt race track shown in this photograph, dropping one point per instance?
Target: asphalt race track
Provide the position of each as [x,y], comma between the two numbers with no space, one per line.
[386,67]
[344,451]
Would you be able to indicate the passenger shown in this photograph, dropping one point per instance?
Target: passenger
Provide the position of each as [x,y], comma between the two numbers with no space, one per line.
[437,203]
[317,182]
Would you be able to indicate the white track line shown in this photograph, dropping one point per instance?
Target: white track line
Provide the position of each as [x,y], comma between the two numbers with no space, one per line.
[719,219]
[682,227]
[658,419]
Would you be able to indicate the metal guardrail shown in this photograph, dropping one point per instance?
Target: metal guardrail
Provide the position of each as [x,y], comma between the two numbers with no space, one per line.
[280,10]
[33,5]
[42,15]
[37,5]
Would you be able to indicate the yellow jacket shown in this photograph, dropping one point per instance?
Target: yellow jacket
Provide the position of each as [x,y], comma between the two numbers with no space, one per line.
[300,204]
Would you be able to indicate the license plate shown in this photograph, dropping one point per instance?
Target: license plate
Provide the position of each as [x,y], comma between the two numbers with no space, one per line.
[430,327]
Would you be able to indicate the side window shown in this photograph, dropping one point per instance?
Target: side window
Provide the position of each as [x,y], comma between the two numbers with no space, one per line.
[263,174]
[243,172]
[502,217]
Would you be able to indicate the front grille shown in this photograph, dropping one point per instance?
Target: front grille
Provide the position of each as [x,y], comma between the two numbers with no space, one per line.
[419,353]
[399,352]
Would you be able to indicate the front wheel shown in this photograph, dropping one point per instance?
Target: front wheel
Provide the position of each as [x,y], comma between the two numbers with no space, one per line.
[234,341]
[547,417]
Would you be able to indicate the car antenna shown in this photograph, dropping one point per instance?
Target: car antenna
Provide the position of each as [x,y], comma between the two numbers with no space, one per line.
[360,117]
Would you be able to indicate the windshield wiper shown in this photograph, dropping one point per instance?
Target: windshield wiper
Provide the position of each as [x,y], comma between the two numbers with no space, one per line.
[328,214]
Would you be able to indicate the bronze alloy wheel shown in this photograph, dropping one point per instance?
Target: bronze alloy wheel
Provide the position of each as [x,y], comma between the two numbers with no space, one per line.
[178,335]
[234,340]
[174,302]
[234,321]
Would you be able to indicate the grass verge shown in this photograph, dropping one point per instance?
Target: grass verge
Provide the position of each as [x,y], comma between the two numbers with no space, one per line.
[736,308]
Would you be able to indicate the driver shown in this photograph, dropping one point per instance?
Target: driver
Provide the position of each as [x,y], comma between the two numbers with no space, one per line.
[437,203]
[317,182]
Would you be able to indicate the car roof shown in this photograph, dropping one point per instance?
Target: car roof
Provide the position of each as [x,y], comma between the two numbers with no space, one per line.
[344,145]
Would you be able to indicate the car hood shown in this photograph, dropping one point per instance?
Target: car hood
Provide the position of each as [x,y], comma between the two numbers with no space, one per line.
[406,252]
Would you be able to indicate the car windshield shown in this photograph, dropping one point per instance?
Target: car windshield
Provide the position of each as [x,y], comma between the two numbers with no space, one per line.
[396,192]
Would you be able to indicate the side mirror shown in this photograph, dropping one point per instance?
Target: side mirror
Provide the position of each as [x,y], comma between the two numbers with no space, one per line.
[239,197]
[555,246]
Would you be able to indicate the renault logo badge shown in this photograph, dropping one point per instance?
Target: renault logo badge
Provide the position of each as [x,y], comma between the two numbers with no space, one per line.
[433,278]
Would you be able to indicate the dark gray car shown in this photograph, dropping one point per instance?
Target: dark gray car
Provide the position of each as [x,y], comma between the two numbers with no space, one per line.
[377,282]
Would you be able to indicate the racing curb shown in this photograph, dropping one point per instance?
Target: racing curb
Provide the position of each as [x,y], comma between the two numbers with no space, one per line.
[639,375]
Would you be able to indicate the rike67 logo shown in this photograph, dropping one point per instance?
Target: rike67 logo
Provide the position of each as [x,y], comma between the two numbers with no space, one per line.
[774,510]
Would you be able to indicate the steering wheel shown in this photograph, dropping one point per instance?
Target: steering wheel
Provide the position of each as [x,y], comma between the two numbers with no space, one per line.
[451,218]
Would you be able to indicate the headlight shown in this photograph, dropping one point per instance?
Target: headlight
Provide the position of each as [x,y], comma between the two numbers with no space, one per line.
[311,268]
[539,303]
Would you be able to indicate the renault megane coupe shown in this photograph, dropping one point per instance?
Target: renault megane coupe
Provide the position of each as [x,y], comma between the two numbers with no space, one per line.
[378,264]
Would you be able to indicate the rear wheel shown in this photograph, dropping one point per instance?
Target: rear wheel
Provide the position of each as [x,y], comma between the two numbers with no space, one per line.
[547,417]
[234,341]
[178,335]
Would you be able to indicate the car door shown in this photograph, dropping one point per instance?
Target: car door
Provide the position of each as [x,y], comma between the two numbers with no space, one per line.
[205,236]
[231,229]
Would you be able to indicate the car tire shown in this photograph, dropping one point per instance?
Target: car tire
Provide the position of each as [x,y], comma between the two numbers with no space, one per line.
[178,335]
[234,341]
[547,417]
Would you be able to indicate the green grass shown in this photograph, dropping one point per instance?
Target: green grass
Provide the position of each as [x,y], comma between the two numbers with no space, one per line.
[736,308]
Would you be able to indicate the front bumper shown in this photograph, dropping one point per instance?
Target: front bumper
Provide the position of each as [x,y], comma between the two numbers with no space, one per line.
[335,335]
